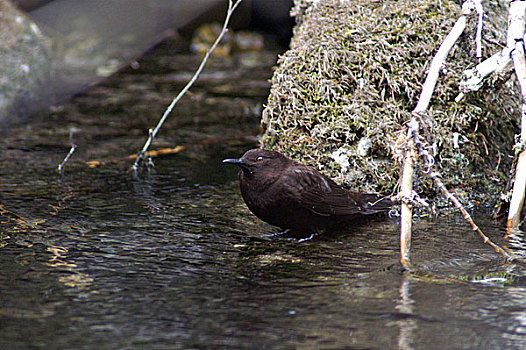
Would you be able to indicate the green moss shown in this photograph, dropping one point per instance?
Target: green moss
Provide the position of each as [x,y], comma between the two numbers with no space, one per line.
[355,69]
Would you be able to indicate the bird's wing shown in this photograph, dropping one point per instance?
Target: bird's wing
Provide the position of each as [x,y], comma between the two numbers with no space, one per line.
[319,194]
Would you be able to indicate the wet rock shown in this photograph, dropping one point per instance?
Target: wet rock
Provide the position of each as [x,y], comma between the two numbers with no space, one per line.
[25,53]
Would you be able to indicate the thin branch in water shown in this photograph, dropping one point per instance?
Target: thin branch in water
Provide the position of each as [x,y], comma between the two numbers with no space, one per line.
[71,150]
[517,20]
[406,180]
[152,133]
[448,195]
[424,154]
[518,195]
[406,216]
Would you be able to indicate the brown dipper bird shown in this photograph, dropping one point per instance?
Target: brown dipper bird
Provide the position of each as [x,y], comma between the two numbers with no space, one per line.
[293,196]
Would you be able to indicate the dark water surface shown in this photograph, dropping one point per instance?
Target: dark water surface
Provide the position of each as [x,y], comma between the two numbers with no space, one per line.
[96,258]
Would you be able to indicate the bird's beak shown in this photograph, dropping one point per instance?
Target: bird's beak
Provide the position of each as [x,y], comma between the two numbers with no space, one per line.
[238,161]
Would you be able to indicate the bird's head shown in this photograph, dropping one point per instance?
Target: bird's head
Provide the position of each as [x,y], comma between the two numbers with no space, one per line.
[257,163]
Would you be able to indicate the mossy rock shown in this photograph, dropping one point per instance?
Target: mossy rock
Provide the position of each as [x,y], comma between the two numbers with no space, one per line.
[342,94]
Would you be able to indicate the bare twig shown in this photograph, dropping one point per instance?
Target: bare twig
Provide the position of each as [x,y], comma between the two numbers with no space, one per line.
[71,150]
[232,5]
[473,78]
[428,88]
[517,198]
[478,38]
[406,216]
[440,57]
[517,19]
[414,143]
[436,179]
[424,154]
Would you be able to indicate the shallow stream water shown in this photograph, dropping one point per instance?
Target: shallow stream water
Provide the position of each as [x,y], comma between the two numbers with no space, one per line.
[98,258]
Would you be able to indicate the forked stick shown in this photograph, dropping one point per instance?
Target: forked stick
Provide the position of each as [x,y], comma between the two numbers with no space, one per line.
[406,181]
[152,133]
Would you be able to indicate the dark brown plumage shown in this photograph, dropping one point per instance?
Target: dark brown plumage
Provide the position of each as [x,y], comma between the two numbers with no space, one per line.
[293,196]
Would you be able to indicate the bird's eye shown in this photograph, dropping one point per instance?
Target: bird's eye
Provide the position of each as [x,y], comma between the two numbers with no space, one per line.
[259,159]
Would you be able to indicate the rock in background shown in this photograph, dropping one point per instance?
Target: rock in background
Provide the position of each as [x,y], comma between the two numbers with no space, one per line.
[60,48]
[25,67]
